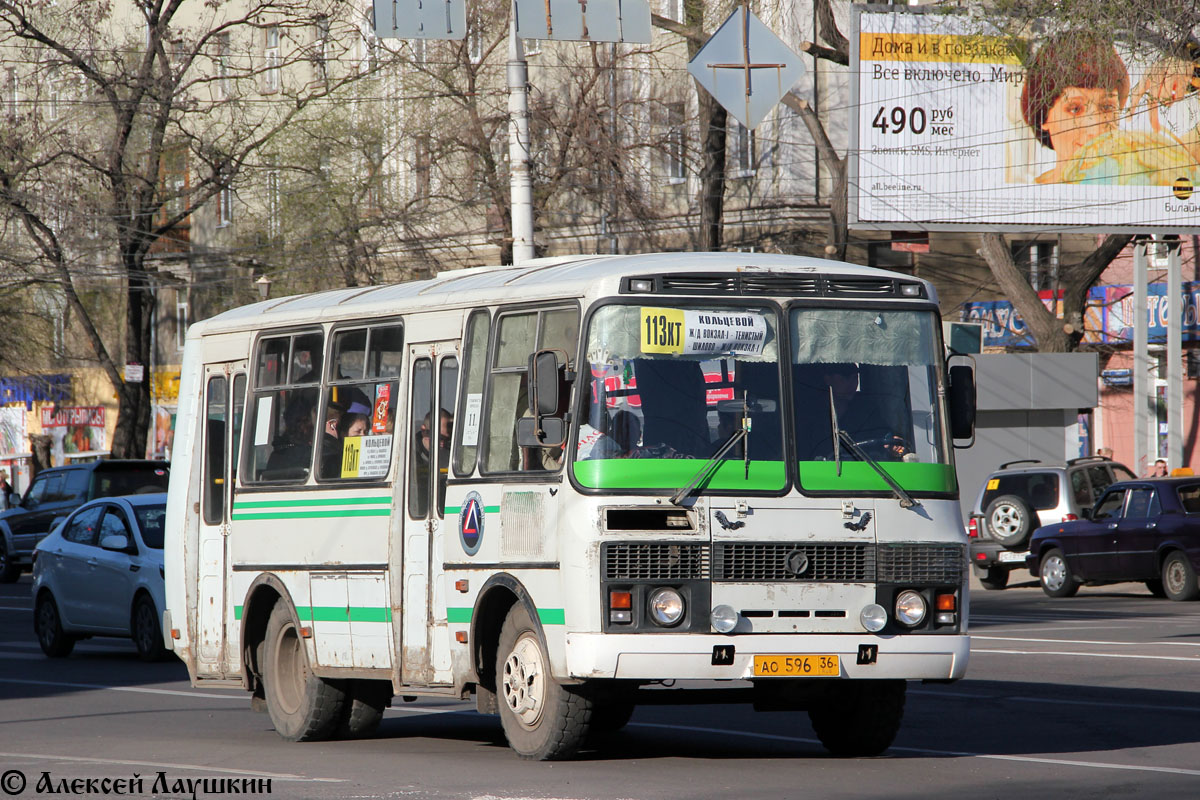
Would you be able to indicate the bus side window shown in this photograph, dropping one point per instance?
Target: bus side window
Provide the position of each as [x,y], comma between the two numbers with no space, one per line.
[360,402]
[216,415]
[470,411]
[420,447]
[284,407]
[518,336]
[447,396]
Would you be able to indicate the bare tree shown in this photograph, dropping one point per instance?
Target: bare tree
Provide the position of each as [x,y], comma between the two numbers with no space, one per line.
[152,113]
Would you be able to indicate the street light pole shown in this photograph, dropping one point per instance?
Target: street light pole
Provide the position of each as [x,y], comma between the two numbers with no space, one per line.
[518,146]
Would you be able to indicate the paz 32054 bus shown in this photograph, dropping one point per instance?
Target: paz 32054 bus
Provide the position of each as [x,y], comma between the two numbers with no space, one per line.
[571,487]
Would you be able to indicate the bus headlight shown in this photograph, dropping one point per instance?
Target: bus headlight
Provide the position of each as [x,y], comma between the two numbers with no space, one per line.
[910,608]
[724,619]
[873,617]
[665,607]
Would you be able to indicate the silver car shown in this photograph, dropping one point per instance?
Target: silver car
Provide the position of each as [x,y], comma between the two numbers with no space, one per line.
[100,573]
[1020,497]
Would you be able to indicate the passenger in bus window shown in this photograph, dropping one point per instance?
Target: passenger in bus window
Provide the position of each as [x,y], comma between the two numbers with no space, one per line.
[331,442]
[291,455]
[425,447]
[354,423]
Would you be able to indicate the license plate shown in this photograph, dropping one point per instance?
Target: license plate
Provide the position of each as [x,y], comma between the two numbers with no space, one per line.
[793,666]
[1008,556]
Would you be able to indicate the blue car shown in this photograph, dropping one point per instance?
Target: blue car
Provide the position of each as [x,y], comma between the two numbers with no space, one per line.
[1144,530]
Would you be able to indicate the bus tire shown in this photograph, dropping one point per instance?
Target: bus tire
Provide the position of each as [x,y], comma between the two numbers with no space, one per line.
[363,710]
[859,718]
[542,719]
[303,706]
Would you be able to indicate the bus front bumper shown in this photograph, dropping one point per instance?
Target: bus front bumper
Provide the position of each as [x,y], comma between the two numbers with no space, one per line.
[716,657]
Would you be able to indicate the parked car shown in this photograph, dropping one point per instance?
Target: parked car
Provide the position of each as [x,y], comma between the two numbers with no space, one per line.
[1143,530]
[100,573]
[1021,496]
[56,492]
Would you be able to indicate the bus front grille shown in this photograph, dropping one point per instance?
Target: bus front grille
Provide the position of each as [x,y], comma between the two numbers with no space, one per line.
[655,561]
[843,562]
[914,563]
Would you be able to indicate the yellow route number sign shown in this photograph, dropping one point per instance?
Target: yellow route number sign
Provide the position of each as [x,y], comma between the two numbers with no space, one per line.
[662,330]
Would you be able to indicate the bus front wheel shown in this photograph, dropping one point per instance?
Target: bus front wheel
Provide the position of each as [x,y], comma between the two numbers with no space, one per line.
[859,718]
[303,706]
[542,719]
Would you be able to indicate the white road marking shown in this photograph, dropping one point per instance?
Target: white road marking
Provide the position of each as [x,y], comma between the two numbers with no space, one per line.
[927,751]
[241,697]
[1106,642]
[1134,656]
[696,729]
[248,773]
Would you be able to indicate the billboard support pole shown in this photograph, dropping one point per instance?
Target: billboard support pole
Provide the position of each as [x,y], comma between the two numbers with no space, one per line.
[1142,388]
[1174,357]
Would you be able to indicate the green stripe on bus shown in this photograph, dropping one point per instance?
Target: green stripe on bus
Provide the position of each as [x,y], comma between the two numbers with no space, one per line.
[343,613]
[821,476]
[552,616]
[548,616]
[328,514]
[455,509]
[347,501]
[671,473]
[335,614]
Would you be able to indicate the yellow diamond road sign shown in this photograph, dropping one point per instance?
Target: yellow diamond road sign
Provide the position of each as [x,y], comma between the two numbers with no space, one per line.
[746,67]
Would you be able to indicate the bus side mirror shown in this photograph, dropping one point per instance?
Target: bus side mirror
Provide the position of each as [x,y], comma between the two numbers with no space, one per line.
[961,394]
[547,387]
[547,381]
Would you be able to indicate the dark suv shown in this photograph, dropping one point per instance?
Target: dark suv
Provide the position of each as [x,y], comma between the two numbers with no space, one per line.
[1021,496]
[56,492]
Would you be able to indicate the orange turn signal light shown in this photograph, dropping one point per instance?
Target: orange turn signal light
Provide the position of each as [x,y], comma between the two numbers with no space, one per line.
[620,600]
[946,602]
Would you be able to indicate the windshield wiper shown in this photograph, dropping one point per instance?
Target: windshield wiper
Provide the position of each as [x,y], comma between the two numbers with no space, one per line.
[839,436]
[741,434]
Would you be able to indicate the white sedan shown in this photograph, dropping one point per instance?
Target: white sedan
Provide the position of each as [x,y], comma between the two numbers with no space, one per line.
[100,573]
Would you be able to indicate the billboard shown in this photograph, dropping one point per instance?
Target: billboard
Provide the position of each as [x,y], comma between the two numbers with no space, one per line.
[1109,317]
[958,127]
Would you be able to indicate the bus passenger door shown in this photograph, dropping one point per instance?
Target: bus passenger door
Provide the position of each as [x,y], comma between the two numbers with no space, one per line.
[432,393]
[224,399]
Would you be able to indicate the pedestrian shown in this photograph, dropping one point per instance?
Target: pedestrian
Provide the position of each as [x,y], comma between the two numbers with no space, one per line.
[6,491]
[1105,452]
[1159,470]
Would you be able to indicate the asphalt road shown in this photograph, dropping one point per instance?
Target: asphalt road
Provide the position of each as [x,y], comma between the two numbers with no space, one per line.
[1090,697]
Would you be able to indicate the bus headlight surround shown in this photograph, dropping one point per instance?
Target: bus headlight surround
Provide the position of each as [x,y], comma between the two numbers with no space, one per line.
[873,617]
[724,618]
[666,607]
[910,608]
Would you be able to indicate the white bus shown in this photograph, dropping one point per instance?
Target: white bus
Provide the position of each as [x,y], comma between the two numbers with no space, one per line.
[571,487]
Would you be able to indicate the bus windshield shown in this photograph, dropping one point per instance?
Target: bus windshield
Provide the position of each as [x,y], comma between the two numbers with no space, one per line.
[872,373]
[669,386]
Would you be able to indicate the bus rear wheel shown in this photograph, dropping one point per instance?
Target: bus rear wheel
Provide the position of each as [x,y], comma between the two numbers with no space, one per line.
[859,718]
[303,706]
[363,710]
[542,719]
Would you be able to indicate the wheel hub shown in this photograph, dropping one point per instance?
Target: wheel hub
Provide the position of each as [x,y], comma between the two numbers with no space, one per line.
[1006,520]
[1054,573]
[523,683]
